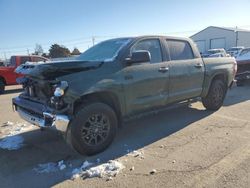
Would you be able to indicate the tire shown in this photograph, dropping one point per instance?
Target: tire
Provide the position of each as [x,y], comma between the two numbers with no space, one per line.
[2,86]
[93,128]
[216,95]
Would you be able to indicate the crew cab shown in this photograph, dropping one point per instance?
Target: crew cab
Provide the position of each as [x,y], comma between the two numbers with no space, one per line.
[7,73]
[88,99]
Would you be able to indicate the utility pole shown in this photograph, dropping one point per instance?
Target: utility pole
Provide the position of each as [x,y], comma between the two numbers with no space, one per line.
[93,40]
[28,52]
[236,35]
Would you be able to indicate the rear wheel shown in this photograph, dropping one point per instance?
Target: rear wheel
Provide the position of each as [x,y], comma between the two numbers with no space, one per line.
[93,128]
[2,86]
[215,97]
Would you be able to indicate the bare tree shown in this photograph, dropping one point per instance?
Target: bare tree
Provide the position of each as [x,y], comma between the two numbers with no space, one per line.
[38,49]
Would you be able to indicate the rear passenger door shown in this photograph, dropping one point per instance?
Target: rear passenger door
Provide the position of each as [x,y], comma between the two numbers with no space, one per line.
[186,71]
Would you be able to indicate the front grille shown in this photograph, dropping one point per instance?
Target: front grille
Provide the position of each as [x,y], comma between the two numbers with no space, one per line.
[42,91]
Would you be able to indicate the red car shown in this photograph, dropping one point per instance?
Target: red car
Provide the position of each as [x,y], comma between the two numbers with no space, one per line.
[8,75]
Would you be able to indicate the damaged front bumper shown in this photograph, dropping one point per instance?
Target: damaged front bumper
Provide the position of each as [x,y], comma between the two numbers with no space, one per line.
[39,115]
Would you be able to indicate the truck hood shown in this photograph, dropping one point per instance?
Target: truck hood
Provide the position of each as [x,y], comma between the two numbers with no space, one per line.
[53,70]
[3,68]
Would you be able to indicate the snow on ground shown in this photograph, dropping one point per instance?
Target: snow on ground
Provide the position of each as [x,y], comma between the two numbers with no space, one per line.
[12,142]
[105,170]
[50,167]
[46,168]
[9,134]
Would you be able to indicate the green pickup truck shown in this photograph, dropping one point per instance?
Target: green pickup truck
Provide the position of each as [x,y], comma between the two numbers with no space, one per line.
[87,99]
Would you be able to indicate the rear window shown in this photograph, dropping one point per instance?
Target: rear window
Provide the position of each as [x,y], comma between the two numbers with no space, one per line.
[12,61]
[179,50]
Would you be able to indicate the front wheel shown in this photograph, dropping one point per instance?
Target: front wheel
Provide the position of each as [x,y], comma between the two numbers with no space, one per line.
[93,128]
[216,94]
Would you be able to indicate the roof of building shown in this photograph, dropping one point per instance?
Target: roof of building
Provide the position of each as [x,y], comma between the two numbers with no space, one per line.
[233,29]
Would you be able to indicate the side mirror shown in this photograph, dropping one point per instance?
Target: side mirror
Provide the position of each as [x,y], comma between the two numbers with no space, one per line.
[141,56]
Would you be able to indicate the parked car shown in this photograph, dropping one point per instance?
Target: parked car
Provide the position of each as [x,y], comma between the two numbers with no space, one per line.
[220,52]
[88,99]
[243,62]
[235,51]
[7,74]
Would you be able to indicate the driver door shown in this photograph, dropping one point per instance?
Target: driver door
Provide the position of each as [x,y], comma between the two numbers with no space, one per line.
[146,84]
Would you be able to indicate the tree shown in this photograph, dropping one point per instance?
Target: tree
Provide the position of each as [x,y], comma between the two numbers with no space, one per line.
[38,50]
[75,52]
[56,51]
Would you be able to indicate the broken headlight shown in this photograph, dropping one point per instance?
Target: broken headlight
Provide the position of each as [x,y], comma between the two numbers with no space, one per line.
[60,89]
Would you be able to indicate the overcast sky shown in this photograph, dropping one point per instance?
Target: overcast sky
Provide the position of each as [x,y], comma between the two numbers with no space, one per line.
[72,23]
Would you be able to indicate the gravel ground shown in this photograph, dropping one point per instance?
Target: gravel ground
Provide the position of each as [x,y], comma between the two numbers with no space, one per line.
[182,147]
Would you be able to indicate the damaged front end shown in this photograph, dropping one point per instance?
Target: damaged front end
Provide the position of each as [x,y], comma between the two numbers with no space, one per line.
[41,103]
[51,89]
[39,115]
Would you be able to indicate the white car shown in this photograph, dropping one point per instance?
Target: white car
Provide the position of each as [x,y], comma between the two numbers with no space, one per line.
[235,51]
[220,52]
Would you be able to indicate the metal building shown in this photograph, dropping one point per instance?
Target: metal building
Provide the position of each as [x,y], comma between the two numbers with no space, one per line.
[221,37]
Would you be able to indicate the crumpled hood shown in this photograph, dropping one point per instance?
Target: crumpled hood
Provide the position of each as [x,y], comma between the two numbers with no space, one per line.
[52,70]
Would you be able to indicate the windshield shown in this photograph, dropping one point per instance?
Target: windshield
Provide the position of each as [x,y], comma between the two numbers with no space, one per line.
[245,51]
[104,51]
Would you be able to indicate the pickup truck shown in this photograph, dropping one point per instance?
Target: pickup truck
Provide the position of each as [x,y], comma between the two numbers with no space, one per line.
[7,73]
[89,98]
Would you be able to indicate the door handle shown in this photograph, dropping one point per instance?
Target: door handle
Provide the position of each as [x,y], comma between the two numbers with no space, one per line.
[163,69]
[198,65]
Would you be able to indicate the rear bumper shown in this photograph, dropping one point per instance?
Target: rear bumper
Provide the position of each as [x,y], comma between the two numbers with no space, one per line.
[37,114]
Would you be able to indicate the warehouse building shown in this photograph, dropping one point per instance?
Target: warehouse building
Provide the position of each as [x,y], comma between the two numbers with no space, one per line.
[221,37]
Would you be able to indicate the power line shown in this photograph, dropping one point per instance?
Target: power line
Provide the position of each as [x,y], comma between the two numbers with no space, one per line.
[62,41]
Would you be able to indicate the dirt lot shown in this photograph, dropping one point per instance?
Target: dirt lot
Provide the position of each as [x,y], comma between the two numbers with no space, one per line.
[187,146]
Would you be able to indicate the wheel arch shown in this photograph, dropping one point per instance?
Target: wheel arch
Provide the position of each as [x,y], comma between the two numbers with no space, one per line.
[218,76]
[3,79]
[105,97]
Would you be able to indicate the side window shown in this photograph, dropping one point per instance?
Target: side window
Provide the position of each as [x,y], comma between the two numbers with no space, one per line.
[180,50]
[25,59]
[151,45]
[12,61]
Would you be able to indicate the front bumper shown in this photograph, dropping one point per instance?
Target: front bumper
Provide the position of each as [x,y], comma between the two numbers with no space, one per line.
[39,115]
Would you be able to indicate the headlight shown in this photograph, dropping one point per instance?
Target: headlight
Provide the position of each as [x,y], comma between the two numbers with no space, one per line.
[60,88]
[58,92]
